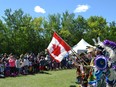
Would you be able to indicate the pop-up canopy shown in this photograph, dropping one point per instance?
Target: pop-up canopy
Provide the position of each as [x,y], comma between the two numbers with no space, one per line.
[80,46]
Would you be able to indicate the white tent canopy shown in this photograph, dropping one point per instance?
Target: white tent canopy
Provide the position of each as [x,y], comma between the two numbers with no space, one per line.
[80,47]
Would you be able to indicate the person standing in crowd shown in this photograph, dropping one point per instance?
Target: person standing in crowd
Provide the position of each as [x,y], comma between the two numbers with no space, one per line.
[25,65]
[42,63]
[1,69]
[18,65]
[12,65]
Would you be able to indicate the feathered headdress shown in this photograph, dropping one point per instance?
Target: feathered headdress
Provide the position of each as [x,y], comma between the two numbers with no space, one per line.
[109,47]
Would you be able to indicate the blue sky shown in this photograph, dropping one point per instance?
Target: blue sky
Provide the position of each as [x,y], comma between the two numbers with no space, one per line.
[86,8]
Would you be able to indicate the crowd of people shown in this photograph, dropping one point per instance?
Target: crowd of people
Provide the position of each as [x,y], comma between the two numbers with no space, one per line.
[29,63]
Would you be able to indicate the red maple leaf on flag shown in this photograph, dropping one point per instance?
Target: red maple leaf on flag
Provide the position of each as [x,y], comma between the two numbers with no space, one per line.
[56,49]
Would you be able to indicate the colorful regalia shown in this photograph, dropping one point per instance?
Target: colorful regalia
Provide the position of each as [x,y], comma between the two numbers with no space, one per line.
[105,65]
[110,73]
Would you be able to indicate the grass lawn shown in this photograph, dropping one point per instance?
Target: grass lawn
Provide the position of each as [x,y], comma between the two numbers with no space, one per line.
[61,78]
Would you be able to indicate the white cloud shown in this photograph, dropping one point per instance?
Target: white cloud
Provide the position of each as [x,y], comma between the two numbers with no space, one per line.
[81,8]
[38,9]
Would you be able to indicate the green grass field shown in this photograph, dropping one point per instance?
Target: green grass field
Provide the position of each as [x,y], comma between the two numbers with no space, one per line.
[61,78]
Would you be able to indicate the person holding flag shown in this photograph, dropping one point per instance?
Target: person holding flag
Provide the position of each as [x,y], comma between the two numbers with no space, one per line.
[58,48]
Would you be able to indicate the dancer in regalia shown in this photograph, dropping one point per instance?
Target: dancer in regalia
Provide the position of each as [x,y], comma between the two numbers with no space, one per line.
[105,64]
[110,71]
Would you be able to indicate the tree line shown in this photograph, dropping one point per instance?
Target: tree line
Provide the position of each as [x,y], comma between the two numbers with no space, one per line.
[21,33]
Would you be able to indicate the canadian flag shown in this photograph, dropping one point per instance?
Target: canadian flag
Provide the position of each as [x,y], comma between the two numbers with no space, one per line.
[58,48]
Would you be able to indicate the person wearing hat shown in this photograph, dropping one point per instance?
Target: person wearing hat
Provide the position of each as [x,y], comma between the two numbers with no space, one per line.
[91,77]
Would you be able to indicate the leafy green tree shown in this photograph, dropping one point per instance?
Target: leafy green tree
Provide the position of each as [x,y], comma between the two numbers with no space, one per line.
[18,24]
[96,27]
[3,38]
[38,34]
[112,31]
[80,28]
[67,25]
[50,25]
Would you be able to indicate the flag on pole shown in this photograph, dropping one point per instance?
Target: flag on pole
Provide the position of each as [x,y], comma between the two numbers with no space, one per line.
[58,48]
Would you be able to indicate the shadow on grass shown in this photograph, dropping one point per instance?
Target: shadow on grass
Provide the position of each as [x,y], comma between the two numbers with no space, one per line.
[72,85]
[43,72]
[24,75]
